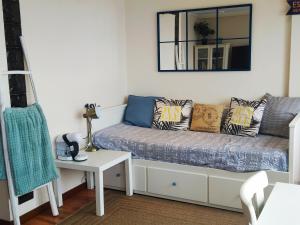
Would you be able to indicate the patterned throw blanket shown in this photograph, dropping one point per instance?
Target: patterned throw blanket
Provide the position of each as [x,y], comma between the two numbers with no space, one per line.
[29,147]
[220,151]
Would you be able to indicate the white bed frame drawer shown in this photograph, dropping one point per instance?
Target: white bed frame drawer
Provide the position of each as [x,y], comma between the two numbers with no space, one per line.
[140,178]
[115,177]
[179,184]
[225,192]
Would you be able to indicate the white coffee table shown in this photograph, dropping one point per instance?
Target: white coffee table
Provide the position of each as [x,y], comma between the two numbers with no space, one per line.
[96,164]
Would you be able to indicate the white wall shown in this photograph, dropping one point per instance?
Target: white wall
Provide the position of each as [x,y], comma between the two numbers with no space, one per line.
[77,52]
[294,90]
[270,54]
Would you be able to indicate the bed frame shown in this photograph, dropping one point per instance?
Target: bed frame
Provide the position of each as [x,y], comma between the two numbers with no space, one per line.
[198,185]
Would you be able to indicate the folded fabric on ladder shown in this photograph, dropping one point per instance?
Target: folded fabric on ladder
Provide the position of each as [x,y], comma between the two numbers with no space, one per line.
[30,151]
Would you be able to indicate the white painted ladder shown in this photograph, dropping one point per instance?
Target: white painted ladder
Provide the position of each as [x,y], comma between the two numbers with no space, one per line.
[13,197]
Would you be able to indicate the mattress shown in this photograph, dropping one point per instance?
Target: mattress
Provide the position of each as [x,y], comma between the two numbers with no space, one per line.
[220,151]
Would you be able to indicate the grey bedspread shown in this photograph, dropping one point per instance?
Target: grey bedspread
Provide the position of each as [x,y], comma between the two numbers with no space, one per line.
[220,151]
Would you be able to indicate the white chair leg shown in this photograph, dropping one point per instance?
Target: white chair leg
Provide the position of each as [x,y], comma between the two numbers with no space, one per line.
[52,199]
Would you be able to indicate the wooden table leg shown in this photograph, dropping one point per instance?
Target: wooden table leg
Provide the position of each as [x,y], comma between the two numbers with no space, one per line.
[58,189]
[128,172]
[99,193]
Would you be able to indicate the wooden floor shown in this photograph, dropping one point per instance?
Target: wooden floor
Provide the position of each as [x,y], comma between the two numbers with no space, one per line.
[71,205]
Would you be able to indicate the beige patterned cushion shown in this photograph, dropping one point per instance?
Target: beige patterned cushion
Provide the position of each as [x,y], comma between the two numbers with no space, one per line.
[207,118]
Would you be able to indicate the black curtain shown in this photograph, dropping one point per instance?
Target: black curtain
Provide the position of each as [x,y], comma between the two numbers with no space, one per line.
[12,26]
[15,60]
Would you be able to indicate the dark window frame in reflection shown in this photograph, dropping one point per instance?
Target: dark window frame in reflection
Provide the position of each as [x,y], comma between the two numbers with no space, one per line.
[240,63]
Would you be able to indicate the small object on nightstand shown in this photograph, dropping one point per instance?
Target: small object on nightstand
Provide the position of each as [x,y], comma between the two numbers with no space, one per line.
[92,112]
[67,147]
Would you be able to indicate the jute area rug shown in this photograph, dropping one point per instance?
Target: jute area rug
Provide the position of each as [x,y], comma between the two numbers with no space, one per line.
[143,210]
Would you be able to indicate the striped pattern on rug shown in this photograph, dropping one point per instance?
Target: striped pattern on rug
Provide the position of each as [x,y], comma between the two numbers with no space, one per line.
[144,210]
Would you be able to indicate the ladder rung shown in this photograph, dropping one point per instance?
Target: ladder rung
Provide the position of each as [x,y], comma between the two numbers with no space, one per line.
[39,187]
[16,72]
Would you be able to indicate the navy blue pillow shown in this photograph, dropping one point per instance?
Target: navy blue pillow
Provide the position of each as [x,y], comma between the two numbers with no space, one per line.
[139,111]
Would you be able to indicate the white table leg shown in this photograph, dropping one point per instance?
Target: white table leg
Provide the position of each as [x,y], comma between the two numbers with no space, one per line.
[58,189]
[99,193]
[128,171]
[90,180]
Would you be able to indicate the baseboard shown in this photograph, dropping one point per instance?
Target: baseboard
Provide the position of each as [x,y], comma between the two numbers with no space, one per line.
[73,191]
[3,222]
[46,205]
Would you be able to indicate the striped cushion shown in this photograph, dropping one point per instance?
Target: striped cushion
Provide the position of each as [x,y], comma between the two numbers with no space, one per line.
[279,112]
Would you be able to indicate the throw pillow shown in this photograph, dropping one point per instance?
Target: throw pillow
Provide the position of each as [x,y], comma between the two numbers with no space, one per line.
[172,114]
[279,112]
[139,111]
[207,118]
[244,117]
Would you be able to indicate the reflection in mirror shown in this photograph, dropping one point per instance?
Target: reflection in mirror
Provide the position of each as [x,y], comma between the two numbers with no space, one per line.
[172,56]
[205,39]
[202,26]
[173,41]
[172,27]
[234,23]
[202,38]
[239,54]
[234,31]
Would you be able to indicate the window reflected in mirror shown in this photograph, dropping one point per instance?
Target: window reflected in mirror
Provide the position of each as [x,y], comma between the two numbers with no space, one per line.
[215,39]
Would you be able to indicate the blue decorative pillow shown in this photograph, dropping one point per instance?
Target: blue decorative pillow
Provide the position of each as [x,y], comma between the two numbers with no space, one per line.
[139,111]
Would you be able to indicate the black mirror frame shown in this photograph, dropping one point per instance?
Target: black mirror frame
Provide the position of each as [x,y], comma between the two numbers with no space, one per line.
[217,18]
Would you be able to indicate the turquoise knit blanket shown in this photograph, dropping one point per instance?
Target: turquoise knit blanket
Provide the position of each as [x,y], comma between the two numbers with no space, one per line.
[29,147]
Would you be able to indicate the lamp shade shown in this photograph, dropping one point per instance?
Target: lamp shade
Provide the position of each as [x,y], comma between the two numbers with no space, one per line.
[93,113]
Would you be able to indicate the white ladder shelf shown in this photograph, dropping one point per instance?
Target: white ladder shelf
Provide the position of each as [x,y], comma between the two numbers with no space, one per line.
[13,198]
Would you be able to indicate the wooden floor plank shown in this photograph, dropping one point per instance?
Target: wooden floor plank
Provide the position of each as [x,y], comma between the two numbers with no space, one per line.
[71,205]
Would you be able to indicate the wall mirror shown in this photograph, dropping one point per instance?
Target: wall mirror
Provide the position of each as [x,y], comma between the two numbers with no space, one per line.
[209,39]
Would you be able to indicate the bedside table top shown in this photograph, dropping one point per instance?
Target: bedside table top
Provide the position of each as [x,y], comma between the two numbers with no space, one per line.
[100,160]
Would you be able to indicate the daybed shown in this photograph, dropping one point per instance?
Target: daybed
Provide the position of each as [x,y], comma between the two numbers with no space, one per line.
[196,167]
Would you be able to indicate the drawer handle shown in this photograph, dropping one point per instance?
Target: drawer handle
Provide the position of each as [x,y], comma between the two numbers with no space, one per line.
[118,175]
[174,184]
